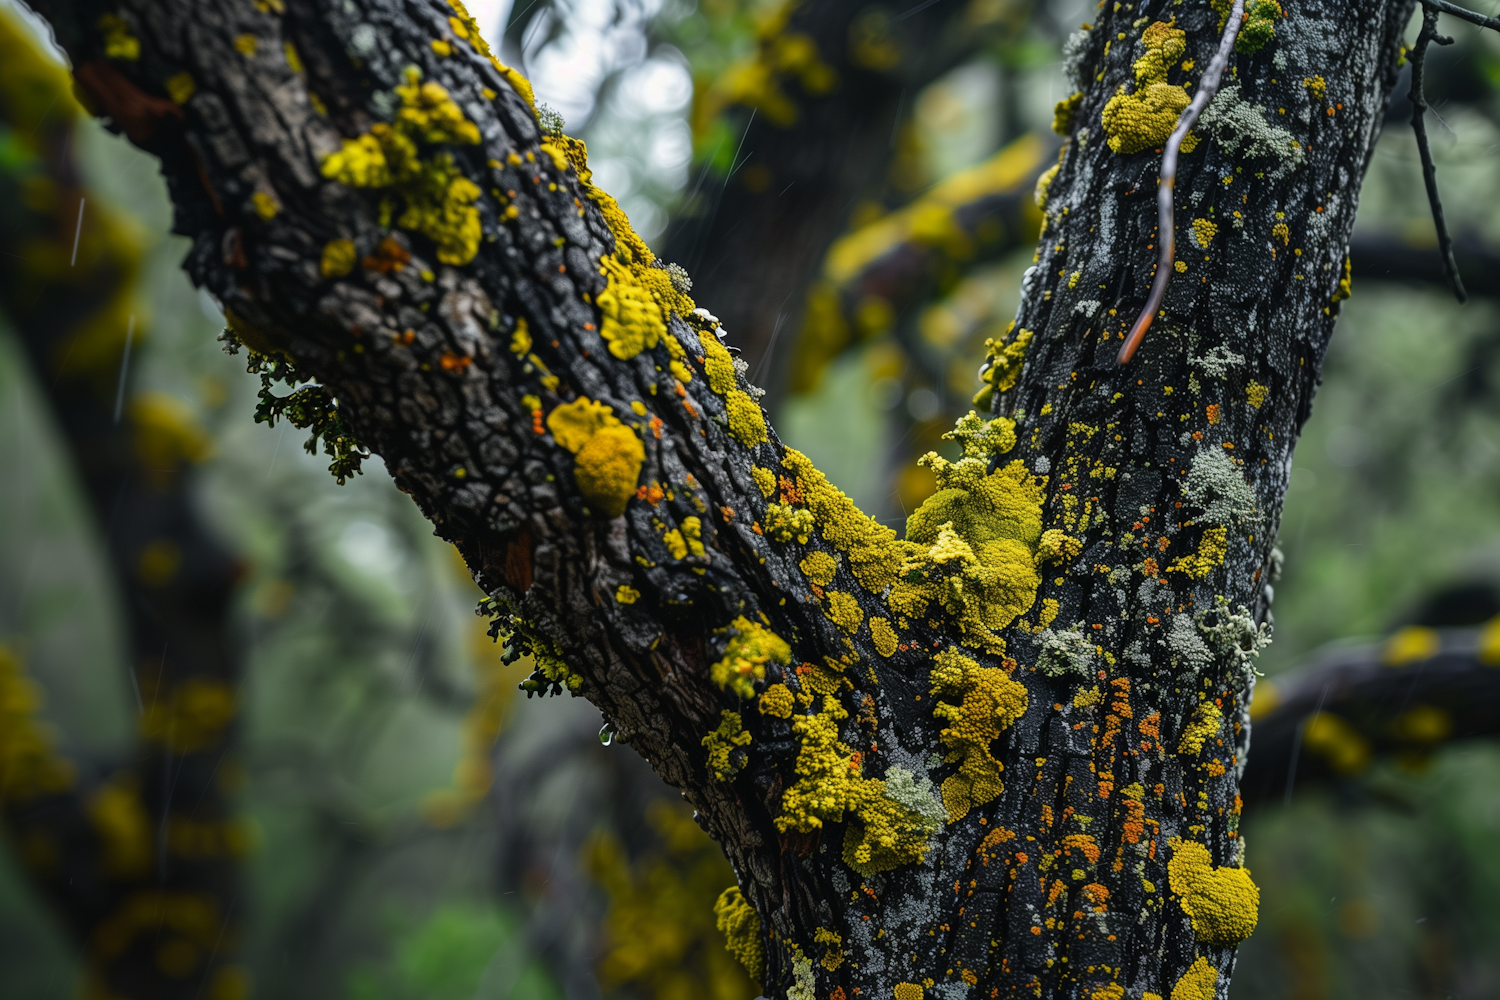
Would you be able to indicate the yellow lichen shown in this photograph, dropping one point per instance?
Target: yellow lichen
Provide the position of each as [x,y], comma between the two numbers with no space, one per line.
[1057,546]
[765,481]
[1199,982]
[1345,287]
[607,454]
[439,198]
[971,548]
[757,81]
[868,545]
[785,523]
[1063,112]
[119,43]
[1145,118]
[1204,231]
[190,717]
[1337,742]
[1212,548]
[339,258]
[819,567]
[723,742]
[632,319]
[886,640]
[626,594]
[1255,394]
[181,87]
[1207,718]
[1003,363]
[1411,644]
[908,991]
[988,702]
[777,700]
[1223,903]
[740,925]
[844,611]
[751,646]
[119,819]
[29,765]
[746,421]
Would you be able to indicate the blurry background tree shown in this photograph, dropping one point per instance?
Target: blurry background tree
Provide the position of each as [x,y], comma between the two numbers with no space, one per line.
[389,824]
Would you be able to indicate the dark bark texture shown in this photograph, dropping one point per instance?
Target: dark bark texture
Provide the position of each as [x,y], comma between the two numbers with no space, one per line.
[141,856]
[1000,755]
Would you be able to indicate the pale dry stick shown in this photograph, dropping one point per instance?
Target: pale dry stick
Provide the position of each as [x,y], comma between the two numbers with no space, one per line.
[1208,86]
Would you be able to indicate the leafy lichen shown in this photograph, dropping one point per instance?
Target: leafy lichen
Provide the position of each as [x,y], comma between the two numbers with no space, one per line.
[988,702]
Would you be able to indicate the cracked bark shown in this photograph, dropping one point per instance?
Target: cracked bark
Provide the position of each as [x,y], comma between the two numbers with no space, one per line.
[1057,887]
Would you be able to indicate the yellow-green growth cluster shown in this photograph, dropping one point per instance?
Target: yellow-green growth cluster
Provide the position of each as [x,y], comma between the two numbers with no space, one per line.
[777,700]
[869,545]
[740,925]
[439,198]
[971,548]
[1199,982]
[1205,723]
[1144,119]
[1002,366]
[765,480]
[607,455]
[884,832]
[1063,112]
[1212,548]
[785,523]
[750,648]
[844,611]
[988,702]
[819,567]
[722,743]
[687,540]
[1255,394]
[886,639]
[746,422]
[1223,903]
[29,766]
[119,43]
[632,319]
[1259,27]
[1057,545]
[1204,231]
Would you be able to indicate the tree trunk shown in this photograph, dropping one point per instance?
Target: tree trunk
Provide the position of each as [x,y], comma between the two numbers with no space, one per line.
[999,754]
[140,856]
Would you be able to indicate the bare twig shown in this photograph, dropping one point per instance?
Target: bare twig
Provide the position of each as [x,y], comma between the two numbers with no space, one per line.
[1472,17]
[1418,98]
[1208,85]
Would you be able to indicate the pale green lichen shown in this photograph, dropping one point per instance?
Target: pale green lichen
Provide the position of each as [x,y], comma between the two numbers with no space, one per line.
[723,742]
[988,702]
[1064,652]
[1002,366]
[1145,118]
[1240,128]
[1217,487]
[751,646]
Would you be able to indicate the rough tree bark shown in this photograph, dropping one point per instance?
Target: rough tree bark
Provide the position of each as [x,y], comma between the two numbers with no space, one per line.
[998,755]
[140,856]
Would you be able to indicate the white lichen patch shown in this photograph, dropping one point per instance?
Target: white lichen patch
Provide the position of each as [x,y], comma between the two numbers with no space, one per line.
[1240,129]
[916,794]
[1189,651]
[1066,652]
[1216,486]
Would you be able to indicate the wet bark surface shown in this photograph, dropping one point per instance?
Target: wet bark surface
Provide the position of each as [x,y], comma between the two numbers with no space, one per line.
[1118,683]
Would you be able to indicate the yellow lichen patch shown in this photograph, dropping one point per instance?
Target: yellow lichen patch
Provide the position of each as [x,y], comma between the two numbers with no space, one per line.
[166,436]
[1043,189]
[190,717]
[722,743]
[988,702]
[181,87]
[750,648]
[439,198]
[777,700]
[1345,287]
[1114,991]
[1255,394]
[1212,548]
[908,991]
[1144,119]
[607,454]
[746,421]
[819,567]
[520,338]
[687,540]
[1003,363]
[119,819]
[29,766]
[866,543]
[844,611]
[765,481]
[626,594]
[971,547]
[1199,982]
[265,205]
[632,319]
[1063,112]
[1412,644]
[833,954]
[740,925]
[1057,545]
[246,45]
[1336,742]
[718,364]
[119,43]
[757,81]
[886,832]
[1204,231]
[339,258]
[886,640]
[1207,718]
[785,523]
[1223,903]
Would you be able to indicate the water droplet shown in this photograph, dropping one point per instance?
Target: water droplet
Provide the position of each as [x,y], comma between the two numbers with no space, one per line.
[606,734]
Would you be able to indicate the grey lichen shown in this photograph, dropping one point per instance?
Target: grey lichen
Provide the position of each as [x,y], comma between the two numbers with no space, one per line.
[1187,646]
[803,986]
[916,794]
[1215,485]
[1234,632]
[1066,652]
[1240,128]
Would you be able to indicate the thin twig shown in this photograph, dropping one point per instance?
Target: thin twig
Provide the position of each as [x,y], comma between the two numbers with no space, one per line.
[1208,85]
[1418,99]
[1472,17]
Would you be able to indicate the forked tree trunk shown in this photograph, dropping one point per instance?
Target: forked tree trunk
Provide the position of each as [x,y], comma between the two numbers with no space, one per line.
[998,755]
